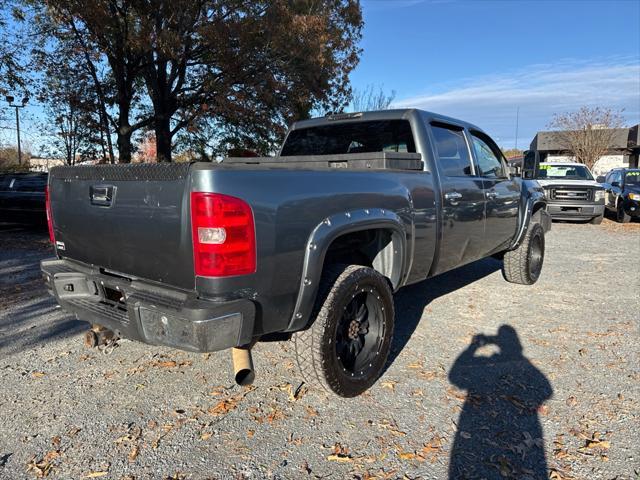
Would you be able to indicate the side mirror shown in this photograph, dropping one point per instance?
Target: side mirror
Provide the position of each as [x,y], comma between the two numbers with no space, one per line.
[600,179]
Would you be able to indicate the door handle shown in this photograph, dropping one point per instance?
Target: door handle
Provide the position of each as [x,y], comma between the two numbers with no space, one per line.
[453,197]
[492,194]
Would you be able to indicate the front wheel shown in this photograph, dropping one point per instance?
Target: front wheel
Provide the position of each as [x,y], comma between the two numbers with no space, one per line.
[346,348]
[622,216]
[597,220]
[524,264]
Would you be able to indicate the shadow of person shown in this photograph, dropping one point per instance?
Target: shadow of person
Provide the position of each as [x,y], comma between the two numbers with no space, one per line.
[499,434]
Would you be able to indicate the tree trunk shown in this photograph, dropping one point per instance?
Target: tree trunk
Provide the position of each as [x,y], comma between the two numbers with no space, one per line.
[163,139]
[124,144]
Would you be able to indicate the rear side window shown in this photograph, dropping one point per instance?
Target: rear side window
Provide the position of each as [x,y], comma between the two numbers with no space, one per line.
[453,154]
[488,161]
[357,137]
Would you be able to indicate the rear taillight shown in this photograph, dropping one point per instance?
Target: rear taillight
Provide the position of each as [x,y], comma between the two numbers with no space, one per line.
[224,239]
[47,201]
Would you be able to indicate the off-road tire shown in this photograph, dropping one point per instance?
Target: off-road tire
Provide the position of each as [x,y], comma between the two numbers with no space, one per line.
[621,215]
[518,265]
[316,346]
[597,220]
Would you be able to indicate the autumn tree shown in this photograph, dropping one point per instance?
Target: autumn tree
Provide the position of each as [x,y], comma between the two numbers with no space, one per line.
[11,53]
[107,32]
[587,133]
[75,115]
[250,67]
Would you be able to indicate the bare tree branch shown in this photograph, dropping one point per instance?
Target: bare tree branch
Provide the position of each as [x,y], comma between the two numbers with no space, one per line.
[587,133]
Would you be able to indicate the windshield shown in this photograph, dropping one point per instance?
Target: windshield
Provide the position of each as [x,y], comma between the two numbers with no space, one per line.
[632,178]
[356,137]
[564,172]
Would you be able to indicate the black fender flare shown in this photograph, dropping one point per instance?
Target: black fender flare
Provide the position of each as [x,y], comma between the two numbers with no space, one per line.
[320,240]
[533,203]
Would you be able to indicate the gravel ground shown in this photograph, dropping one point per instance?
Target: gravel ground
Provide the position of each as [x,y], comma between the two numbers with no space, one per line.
[551,390]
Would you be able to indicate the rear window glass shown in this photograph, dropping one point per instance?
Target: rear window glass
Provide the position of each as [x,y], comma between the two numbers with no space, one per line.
[29,183]
[357,137]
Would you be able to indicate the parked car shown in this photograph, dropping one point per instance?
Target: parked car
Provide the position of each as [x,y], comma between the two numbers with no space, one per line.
[622,187]
[572,193]
[308,245]
[22,198]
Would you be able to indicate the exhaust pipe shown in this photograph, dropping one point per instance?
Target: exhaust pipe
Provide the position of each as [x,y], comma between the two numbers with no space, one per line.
[243,372]
[98,335]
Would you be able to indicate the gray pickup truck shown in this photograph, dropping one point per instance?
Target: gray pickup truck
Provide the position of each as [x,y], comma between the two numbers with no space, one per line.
[308,245]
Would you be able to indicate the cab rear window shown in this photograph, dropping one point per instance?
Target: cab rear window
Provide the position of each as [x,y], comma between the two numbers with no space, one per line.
[357,137]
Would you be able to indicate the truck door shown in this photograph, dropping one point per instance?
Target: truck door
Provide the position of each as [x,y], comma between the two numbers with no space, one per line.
[463,200]
[501,191]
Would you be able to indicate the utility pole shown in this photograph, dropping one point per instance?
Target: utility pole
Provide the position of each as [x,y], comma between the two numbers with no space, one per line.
[517,117]
[10,100]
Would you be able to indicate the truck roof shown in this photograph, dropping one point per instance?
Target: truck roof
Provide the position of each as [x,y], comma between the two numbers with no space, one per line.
[395,114]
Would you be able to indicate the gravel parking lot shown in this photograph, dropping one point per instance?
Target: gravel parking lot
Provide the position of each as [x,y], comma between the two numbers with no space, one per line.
[552,390]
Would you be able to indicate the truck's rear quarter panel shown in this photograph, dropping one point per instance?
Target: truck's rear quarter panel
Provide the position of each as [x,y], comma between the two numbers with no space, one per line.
[287,207]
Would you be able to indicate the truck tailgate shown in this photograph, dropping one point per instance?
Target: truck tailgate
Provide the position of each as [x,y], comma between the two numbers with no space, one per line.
[126,219]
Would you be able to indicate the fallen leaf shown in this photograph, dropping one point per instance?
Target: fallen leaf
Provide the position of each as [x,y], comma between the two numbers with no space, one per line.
[598,444]
[390,384]
[206,436]
[37,374]
[459,394]
[407,455]
[229,404]
[43,467]
[97,474]
[311,412]
[133,454]
[571,401]
[340,458]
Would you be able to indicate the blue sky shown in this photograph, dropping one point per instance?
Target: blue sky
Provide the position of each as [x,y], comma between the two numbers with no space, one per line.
[481,60]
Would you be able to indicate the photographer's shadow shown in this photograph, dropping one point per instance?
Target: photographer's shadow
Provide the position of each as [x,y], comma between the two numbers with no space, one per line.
[499,434]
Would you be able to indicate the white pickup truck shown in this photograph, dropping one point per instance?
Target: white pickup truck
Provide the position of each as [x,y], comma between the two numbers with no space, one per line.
[571,191]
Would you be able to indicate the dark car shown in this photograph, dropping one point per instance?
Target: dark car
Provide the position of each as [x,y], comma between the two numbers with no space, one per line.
[22,198]
[622,193]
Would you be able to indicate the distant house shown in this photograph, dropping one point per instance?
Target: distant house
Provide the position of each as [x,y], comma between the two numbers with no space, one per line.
[42,164]
[624,151]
